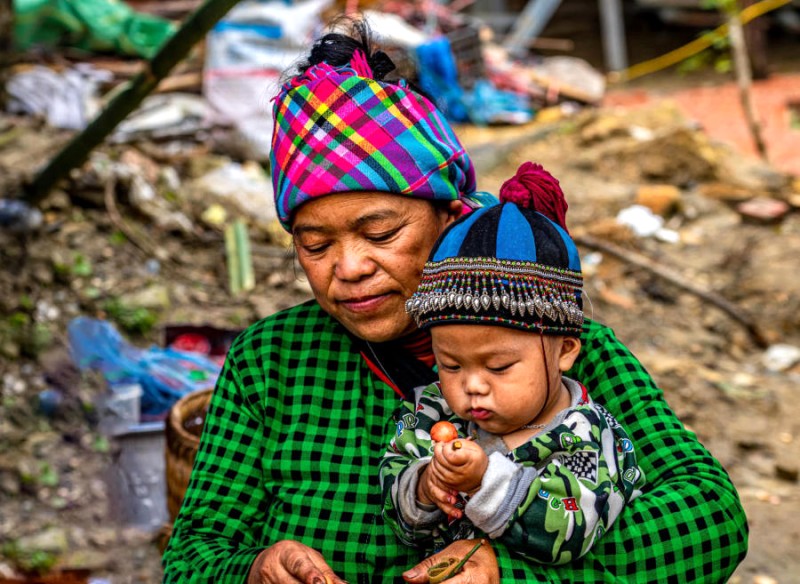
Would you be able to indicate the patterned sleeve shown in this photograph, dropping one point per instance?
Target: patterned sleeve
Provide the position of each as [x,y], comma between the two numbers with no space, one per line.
[563,490]
[411,447]
[213,536]
[687,526]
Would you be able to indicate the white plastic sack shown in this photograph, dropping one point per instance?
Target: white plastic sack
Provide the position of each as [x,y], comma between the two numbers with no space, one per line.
[246,53]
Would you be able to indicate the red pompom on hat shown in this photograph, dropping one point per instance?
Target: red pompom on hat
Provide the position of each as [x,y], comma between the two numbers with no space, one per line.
[535,188]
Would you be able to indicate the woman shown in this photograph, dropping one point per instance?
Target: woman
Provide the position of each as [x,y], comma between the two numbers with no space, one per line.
[284,489]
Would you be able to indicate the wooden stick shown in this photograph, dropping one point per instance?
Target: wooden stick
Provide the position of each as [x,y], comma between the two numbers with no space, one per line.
[119,222]
[744,80]
[678,280]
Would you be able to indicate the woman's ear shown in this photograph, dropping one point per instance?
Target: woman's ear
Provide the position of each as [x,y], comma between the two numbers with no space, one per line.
[570,348]
[452,211]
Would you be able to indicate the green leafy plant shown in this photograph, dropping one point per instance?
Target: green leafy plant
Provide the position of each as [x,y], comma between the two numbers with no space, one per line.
[133,319]
[31,337]
[117,238]
[79,265]
[31,561]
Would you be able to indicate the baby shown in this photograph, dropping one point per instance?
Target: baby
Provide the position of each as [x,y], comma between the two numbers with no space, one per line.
[540,465]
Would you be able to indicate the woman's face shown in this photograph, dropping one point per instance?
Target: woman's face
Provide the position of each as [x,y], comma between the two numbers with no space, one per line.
[363,254]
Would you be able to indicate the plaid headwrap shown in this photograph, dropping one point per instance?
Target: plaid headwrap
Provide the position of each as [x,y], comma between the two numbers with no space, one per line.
[339,130]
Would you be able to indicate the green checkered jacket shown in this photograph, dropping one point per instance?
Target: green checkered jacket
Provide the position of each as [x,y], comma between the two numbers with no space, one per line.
[298,424]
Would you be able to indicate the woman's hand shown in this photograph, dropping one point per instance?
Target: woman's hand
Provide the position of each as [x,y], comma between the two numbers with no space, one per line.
[291,562]
[481,568]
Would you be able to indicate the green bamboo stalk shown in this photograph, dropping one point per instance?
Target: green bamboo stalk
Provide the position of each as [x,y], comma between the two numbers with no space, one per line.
[232,255]
[75,152]
[247,279]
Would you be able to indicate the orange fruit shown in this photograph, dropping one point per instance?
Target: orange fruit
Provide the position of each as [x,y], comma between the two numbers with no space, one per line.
[443,431]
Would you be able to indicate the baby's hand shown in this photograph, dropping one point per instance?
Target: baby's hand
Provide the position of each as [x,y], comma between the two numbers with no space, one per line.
[432,491]
[459,465]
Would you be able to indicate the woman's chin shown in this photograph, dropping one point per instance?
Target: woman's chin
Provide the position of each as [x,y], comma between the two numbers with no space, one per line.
[379,329]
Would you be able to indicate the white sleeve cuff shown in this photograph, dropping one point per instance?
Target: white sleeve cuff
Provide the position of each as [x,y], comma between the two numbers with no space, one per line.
[502,490]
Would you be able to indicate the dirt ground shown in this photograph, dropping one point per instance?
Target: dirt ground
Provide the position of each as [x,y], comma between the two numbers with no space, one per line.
[682,303]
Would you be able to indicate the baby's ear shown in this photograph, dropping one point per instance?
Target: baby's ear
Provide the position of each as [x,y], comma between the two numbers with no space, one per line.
[570,348]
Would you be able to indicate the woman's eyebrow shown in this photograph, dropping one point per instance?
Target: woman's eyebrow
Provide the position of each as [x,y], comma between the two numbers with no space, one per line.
[298,230]
[354,224]
[359,222]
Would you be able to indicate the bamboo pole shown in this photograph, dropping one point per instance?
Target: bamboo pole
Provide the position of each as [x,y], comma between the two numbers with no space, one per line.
[75,152]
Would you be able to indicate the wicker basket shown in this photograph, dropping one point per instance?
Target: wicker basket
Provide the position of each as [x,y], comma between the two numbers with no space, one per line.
[181,447]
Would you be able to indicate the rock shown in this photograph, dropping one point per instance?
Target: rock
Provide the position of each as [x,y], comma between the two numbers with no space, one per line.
[753,174]
[603,127]
[103,537]
[155,296]
[787,472]
[87,559]
[725,192]
[140,164]
[56,200]
[763,210]
[6,571]
[660,199]
[9,483]
[53,540]
[42,273]
[780,357]
[9,348]
[610,230]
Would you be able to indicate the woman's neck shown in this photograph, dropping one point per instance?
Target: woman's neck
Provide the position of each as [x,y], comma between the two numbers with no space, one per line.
[419,345]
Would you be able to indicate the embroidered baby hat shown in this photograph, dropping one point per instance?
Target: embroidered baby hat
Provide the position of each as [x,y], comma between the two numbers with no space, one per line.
[339,129]
[510,264]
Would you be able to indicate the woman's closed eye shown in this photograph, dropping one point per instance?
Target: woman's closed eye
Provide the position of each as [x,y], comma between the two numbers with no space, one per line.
[314,247]
[382,236]
[310,241]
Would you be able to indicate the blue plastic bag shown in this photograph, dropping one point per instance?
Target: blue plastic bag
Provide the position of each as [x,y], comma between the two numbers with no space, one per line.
[165,375]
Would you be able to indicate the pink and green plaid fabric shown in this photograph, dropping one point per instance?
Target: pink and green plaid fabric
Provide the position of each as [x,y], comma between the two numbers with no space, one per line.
[338,130]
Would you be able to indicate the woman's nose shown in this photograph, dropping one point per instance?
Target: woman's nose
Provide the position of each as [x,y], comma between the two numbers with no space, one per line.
[353,265]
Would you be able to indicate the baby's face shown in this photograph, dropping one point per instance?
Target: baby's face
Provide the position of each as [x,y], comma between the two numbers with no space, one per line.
[497,376]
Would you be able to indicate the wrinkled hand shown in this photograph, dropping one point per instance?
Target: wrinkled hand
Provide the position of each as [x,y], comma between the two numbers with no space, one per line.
[291,562]
[481,568]
[452,470]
